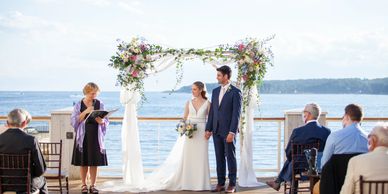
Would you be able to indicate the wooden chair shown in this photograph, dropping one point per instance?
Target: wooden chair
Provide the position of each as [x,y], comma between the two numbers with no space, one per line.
[52,153]
[15,172]
[373,187]
[299,166]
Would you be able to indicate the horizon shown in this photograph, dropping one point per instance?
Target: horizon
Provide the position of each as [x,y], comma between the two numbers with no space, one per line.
[180,87]
[53,50]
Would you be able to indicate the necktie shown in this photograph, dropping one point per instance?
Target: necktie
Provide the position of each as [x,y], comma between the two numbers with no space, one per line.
[222,93]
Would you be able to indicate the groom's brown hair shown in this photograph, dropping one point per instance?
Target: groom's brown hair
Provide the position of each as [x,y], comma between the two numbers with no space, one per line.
[225,70]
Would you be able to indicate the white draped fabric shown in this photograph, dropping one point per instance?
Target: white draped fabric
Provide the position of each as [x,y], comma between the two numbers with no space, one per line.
[246,172]
[133,175]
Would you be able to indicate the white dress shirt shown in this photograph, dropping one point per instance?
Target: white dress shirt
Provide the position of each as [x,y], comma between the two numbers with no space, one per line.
[223,90]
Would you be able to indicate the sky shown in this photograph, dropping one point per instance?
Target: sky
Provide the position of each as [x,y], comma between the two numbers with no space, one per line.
[60,45]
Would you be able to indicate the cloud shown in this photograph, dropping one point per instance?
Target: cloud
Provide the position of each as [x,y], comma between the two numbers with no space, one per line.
[131,6]
[362,53]
[99,3]
[18,21]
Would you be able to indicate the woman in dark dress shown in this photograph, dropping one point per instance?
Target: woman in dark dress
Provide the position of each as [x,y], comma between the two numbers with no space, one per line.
[89,150]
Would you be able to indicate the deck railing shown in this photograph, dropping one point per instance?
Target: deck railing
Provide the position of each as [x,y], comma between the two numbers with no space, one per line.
[267,131]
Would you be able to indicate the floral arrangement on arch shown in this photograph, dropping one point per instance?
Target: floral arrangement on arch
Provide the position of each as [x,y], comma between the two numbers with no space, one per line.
[135,59]
[252,58]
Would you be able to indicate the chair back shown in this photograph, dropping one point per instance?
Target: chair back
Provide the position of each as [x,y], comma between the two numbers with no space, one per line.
[373,186]
[52,153]
[15,172]
[334,172]
[299,161]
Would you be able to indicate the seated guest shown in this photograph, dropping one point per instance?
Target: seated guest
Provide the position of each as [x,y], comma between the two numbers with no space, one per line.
[351,139]
[373,165]
[15,141]
[306,134]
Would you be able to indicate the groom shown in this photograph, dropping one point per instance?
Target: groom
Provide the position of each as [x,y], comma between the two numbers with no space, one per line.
[223,123]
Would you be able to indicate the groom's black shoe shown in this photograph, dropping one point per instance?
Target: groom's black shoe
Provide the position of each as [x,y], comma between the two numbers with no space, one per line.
[218,188]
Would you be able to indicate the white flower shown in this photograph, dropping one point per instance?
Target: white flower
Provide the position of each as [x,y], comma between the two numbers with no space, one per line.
[248,60]
[141,74]
[136,50]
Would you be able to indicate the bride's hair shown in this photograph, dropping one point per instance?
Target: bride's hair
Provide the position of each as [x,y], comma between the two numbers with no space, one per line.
[201,86]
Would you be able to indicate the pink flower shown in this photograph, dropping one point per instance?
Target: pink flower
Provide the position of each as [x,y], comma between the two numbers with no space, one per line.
[133,58]
[245,77]
[135,73]
[241,47]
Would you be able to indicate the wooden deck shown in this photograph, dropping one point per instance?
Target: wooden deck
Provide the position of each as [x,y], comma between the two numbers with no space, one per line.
[75,186]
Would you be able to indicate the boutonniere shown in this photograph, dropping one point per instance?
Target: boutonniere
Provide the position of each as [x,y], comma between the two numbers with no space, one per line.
[229,88]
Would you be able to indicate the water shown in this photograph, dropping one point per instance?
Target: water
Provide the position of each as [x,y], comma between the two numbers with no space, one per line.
[157,138]
[163,104]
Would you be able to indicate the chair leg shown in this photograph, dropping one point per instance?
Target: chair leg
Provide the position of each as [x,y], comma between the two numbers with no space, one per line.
[60,185]
[294,187]
[67,185]
[286,188]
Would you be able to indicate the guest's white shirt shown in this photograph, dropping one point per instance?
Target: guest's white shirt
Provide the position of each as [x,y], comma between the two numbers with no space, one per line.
[372,166]
[310,121]
[2,129]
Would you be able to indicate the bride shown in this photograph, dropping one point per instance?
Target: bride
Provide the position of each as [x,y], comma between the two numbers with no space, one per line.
[187,166]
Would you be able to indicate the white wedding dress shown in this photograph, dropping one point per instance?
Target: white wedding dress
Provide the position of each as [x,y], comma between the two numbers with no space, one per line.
[187,166]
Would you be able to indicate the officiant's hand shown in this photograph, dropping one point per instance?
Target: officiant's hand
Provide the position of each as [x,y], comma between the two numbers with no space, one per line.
[208,134]
[99,120]
[229,138]
[89,110]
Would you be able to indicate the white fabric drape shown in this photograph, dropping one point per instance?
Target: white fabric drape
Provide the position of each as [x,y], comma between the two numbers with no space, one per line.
[246,172]
[133,174]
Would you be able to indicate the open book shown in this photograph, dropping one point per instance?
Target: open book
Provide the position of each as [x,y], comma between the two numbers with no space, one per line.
[100,113]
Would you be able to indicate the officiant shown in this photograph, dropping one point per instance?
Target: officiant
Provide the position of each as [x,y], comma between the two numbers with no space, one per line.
[89,150]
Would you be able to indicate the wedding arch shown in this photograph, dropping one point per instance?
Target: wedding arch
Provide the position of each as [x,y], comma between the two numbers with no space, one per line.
[138,59]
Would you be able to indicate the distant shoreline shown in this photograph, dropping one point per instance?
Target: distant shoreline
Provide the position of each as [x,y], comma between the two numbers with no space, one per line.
[377,86]
[316,86]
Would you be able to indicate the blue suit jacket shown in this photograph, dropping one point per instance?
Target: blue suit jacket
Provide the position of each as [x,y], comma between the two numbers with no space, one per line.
[308,134]
[224,118]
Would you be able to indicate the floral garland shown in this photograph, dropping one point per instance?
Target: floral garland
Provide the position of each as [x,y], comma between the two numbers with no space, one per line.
[135,60]
[252,58]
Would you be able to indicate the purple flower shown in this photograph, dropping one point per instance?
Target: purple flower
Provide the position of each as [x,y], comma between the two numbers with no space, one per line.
[143,47]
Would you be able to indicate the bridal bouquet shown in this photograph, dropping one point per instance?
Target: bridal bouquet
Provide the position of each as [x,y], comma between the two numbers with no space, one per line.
[186,128]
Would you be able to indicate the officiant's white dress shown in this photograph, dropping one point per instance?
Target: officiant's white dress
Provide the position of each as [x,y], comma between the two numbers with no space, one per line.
[187,166]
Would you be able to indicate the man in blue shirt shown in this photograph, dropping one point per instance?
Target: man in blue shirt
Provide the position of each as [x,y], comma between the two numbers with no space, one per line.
[349,140]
